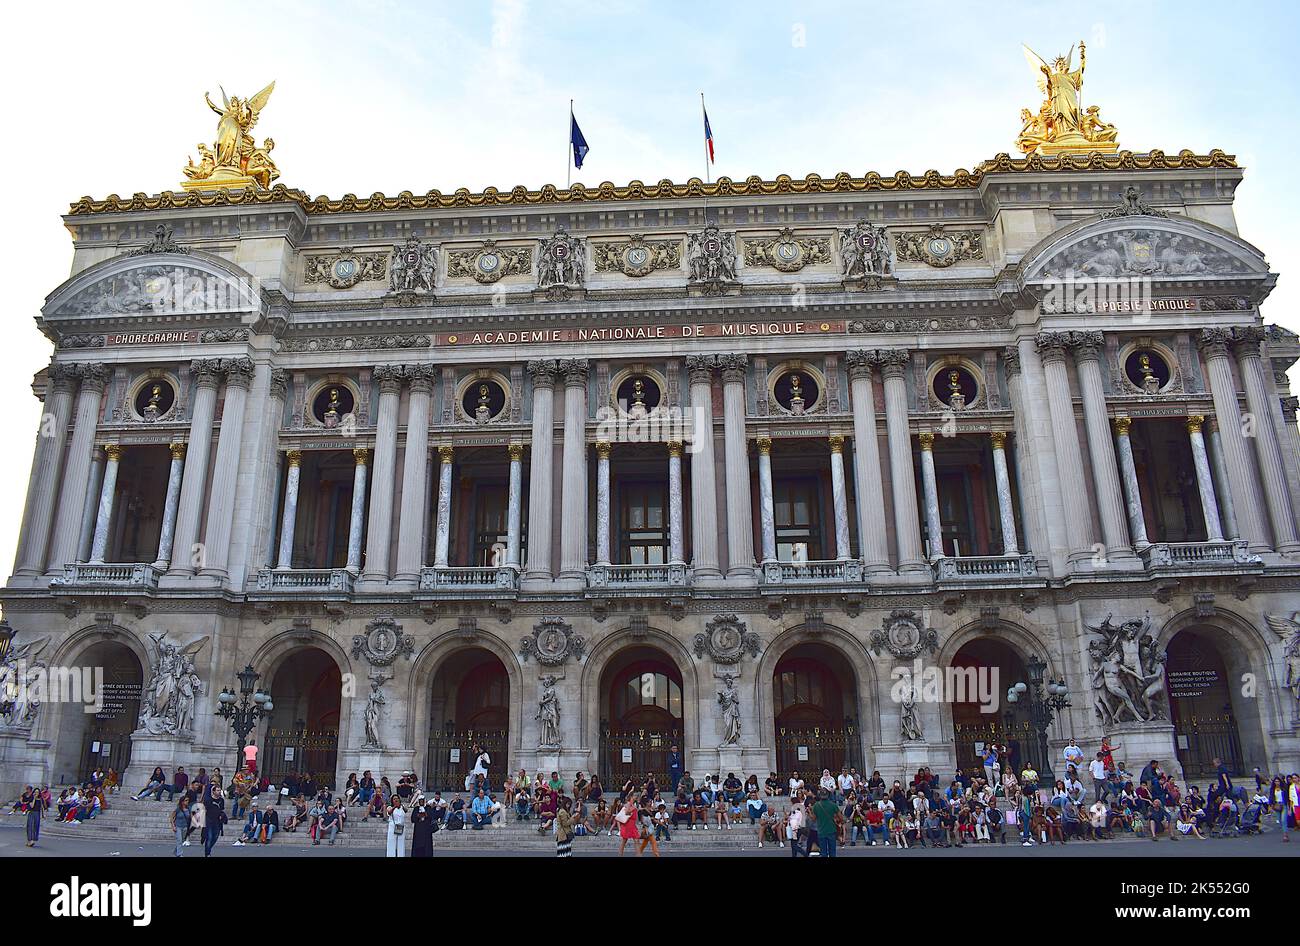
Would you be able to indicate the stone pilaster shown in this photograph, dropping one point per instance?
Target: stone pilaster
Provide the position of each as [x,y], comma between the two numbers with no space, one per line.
[76,475]
[47,468]
[1002,478]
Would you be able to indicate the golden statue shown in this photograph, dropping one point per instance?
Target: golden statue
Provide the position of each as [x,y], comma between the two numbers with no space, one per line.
[1062,124]
[234,160]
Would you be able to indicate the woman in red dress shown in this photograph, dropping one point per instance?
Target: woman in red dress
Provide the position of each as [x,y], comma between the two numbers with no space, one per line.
[628,826]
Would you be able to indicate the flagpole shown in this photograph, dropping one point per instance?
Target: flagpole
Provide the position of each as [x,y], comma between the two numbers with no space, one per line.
[568,151]
[704,117]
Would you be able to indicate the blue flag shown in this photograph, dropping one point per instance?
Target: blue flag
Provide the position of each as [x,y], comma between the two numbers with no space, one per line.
[579,143]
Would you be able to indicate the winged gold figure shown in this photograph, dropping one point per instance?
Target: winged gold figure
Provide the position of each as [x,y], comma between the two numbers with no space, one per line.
[1061,123]
[234,159]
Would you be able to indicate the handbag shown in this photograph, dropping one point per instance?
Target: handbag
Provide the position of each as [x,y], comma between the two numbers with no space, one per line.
[398,829]
[621,817]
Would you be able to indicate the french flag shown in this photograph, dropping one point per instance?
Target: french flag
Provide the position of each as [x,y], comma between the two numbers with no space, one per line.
[708,132]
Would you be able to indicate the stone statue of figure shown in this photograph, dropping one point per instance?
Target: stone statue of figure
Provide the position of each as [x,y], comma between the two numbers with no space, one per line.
[548,714]
[374,708]
[638,398]
[332,409]
[167,707]
[729,700]
[483,413]
[796,394]
[956,399]
[911,726]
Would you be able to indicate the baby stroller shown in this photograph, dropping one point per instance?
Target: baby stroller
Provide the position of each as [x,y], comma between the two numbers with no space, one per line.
[1250,821]
[1225,826]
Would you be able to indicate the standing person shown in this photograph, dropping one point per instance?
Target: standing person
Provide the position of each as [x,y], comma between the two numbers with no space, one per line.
[214,818]
[826,812]
[675,766]
[1097,767]
[35,811]
[645,826]
[396,828]
[180,822]
[250,756]
[626,818]
[478,776]
[198,822]
[564,830]
[794,828]
[990,763]
[421,832]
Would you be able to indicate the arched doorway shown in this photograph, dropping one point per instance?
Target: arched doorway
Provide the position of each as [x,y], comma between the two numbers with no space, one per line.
[303,738]
[103,738]
[1202,704]
[469,705]
[641,715]
[973,728]
[814,701]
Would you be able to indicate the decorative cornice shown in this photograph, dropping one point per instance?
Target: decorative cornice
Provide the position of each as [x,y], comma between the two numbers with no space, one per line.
[783,185]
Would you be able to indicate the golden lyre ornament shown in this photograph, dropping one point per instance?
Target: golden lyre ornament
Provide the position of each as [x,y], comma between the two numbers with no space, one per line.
[1062,125]
[234,160]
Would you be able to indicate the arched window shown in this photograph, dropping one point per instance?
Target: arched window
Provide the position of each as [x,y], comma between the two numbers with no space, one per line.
[645,695]
[804,691]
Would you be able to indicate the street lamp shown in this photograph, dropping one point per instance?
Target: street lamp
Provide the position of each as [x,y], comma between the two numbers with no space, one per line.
[1045,699]
[244,709]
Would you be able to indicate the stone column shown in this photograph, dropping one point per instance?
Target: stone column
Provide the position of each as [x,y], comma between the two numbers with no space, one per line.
[357,519]
[194,483]
[442,538]
[289,519]
[107,495]
[1204,479]
[767,508]
[1214,344]
[76,475]
[1268,451]
[1065,437]
[1290,433]
[47,468]
[602,503]
[170,502]
[1101,449]
[1222,490]
[514,511]
[225,471]
[740,517]
[843,550]
[1128,472]
[676,553]
[573,524]
[540,470]
[873,537]
[379,529]
[415,469]
[1006,510]
[930,491]
[902,476]
[90,511]
[704,496]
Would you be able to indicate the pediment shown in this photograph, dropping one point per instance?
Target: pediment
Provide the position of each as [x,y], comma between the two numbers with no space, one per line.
[157,284]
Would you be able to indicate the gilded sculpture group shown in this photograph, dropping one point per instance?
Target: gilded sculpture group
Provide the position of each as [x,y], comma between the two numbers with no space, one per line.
[1061,125]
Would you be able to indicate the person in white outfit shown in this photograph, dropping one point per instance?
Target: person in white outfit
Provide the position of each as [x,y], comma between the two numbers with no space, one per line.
[396,829]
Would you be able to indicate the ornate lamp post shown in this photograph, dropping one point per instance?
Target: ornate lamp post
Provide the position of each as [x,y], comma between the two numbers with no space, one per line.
[244,709]
[1045,700]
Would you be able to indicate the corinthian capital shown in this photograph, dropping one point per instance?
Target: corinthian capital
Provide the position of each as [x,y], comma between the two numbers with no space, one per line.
[1011,359]
[1052,345]
[279,383]
[93,376]
[732,367]
[893,362]
[1214,341]
[860,362]
[574,371]
[1087,346]
[62,377]
[1246,340]
[389,378]
[238,371]
[420,377]
[542,371]
[700,368]
[207,371]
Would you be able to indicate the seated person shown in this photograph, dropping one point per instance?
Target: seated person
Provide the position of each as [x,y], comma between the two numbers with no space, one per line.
[683,813]
[1157,819]
[330,822]
[771,828]
[755,807]
[772,786]
[600,816]
[700,807]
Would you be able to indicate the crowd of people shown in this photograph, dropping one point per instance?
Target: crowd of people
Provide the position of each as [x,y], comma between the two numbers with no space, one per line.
[814,817]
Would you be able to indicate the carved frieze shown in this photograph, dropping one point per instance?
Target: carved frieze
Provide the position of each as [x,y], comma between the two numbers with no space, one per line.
[552,642]
[903,635]
[383,642]
[345,269]
[939,248]
[489,262]
[637,256]
[787,252]
[726,640]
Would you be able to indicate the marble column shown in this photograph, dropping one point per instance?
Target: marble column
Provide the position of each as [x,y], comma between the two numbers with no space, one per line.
[357,518]
[1268,450]
[1204,479]
[602,503]
[1065,437]
[194,483]
[1222,490]
[107,497]
[873,536]
[47,471]
[902,476]
[541,467]
[930,492]
[76,475]
[676,553]
[90,511]
[1101,448]
[379,528]
[514,508]
[442,537]
[225,470]
[415,470]
[740,516]
[573,522]
[1242,487]
[704,496]
[171,500]
[289,518]
[767,508]
[1128,473]
[1002,478]
[839,496]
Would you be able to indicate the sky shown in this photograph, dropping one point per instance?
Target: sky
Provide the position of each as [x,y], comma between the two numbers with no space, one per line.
[379,95]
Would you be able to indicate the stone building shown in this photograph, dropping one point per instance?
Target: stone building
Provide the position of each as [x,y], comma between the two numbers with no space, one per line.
[580,474]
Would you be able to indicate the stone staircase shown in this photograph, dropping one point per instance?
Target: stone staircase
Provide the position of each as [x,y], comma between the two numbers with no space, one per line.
[146,820]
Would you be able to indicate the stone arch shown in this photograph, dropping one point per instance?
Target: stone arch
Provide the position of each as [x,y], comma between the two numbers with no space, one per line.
[600,657]
[425,668]
[854,651]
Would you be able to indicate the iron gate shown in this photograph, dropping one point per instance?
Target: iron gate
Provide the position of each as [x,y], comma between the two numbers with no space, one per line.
[808,751]
[314,751]
[1208,738]
[105,750]
[1018,736]
[635,753]
[442,774]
